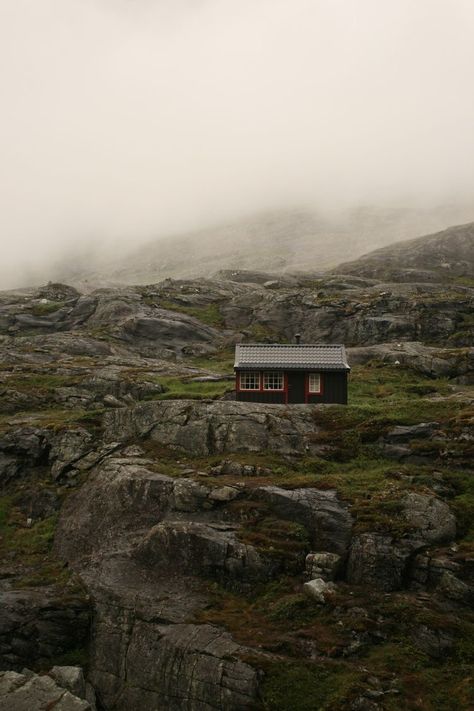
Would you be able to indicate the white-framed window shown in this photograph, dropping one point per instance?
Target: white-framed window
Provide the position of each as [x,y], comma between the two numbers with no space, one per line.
[273,380]
[249,381]
[314,383]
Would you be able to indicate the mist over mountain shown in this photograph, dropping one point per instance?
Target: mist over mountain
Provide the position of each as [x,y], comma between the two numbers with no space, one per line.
[125,122]
[276,241]
[446,255]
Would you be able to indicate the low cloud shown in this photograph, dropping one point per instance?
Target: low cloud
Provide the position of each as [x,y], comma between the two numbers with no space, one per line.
[123,121]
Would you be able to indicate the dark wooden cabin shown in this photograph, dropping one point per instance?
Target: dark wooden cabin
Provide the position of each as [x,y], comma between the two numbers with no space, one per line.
[291,373]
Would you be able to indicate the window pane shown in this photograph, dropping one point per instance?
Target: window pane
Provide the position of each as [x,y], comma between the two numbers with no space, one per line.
[273,381]
[250,381]
[314,383]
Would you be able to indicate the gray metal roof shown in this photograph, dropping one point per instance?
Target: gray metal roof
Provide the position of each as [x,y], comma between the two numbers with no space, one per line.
[291,356]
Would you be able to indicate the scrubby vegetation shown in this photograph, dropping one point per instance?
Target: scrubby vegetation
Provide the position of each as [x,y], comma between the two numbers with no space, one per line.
[187,389]
[47,308]
[208,314]
[288,628]
[27,544]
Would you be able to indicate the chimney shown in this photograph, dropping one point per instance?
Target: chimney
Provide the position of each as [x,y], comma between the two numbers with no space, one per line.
[298,338]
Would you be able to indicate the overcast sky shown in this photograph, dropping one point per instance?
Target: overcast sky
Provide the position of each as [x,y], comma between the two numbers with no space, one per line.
[123,119]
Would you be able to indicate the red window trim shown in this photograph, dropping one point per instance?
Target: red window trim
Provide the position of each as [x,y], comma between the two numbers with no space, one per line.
[239,389]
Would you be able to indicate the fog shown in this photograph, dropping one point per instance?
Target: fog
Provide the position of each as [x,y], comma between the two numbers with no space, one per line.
[127,120]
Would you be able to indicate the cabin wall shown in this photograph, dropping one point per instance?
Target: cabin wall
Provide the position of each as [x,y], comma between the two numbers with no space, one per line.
[333,390]
[275,397]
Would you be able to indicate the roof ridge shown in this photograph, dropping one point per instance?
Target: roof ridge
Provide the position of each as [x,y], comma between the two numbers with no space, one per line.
[324,356]
[291,345]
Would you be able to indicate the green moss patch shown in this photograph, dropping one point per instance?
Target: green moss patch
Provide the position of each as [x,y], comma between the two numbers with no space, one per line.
[304,686]
[285,541]
[209,314]
[29,547]
[219,362]
[185,389]
[50,307]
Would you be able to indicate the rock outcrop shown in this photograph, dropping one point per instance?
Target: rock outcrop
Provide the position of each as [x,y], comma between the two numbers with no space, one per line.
[170,667]
[40,624]
[145,543]
[122,496]
[203,428]
[431,519]
[63,689]
[379,561]
[209,550]
[319,589]
[435,362]
[449,253]
[387,562]
[328,522]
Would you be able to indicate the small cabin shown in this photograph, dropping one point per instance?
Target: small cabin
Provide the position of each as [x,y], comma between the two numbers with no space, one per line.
[291,373]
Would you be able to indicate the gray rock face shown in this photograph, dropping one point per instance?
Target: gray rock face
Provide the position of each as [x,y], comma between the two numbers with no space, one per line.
[435,643]
[456,363]
[120,497]
[169,328]
[318,589]
[56,291]
[189,495]
[454,589]
[236,469]
[427,569]
[70,678]
[169,668]
[30,692]
[22,449]
[12,400]
[379,561]
[351,317]
[143,542]
[321,512]
[405,433]
[423,443]
[111,382]
[9,468]
[201,549]
[203,428]
[431,518]
[224,493]
[38,624]
[322,565]
[68,448]
[113,306]
[72,343]
[449,252]
[37,505]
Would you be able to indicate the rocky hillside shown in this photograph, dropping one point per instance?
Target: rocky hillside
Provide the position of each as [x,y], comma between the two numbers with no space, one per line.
[278,241]
[192,552]
[444,256]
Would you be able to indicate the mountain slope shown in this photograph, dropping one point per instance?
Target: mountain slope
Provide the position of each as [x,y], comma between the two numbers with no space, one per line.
[445,255]
[279,241]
